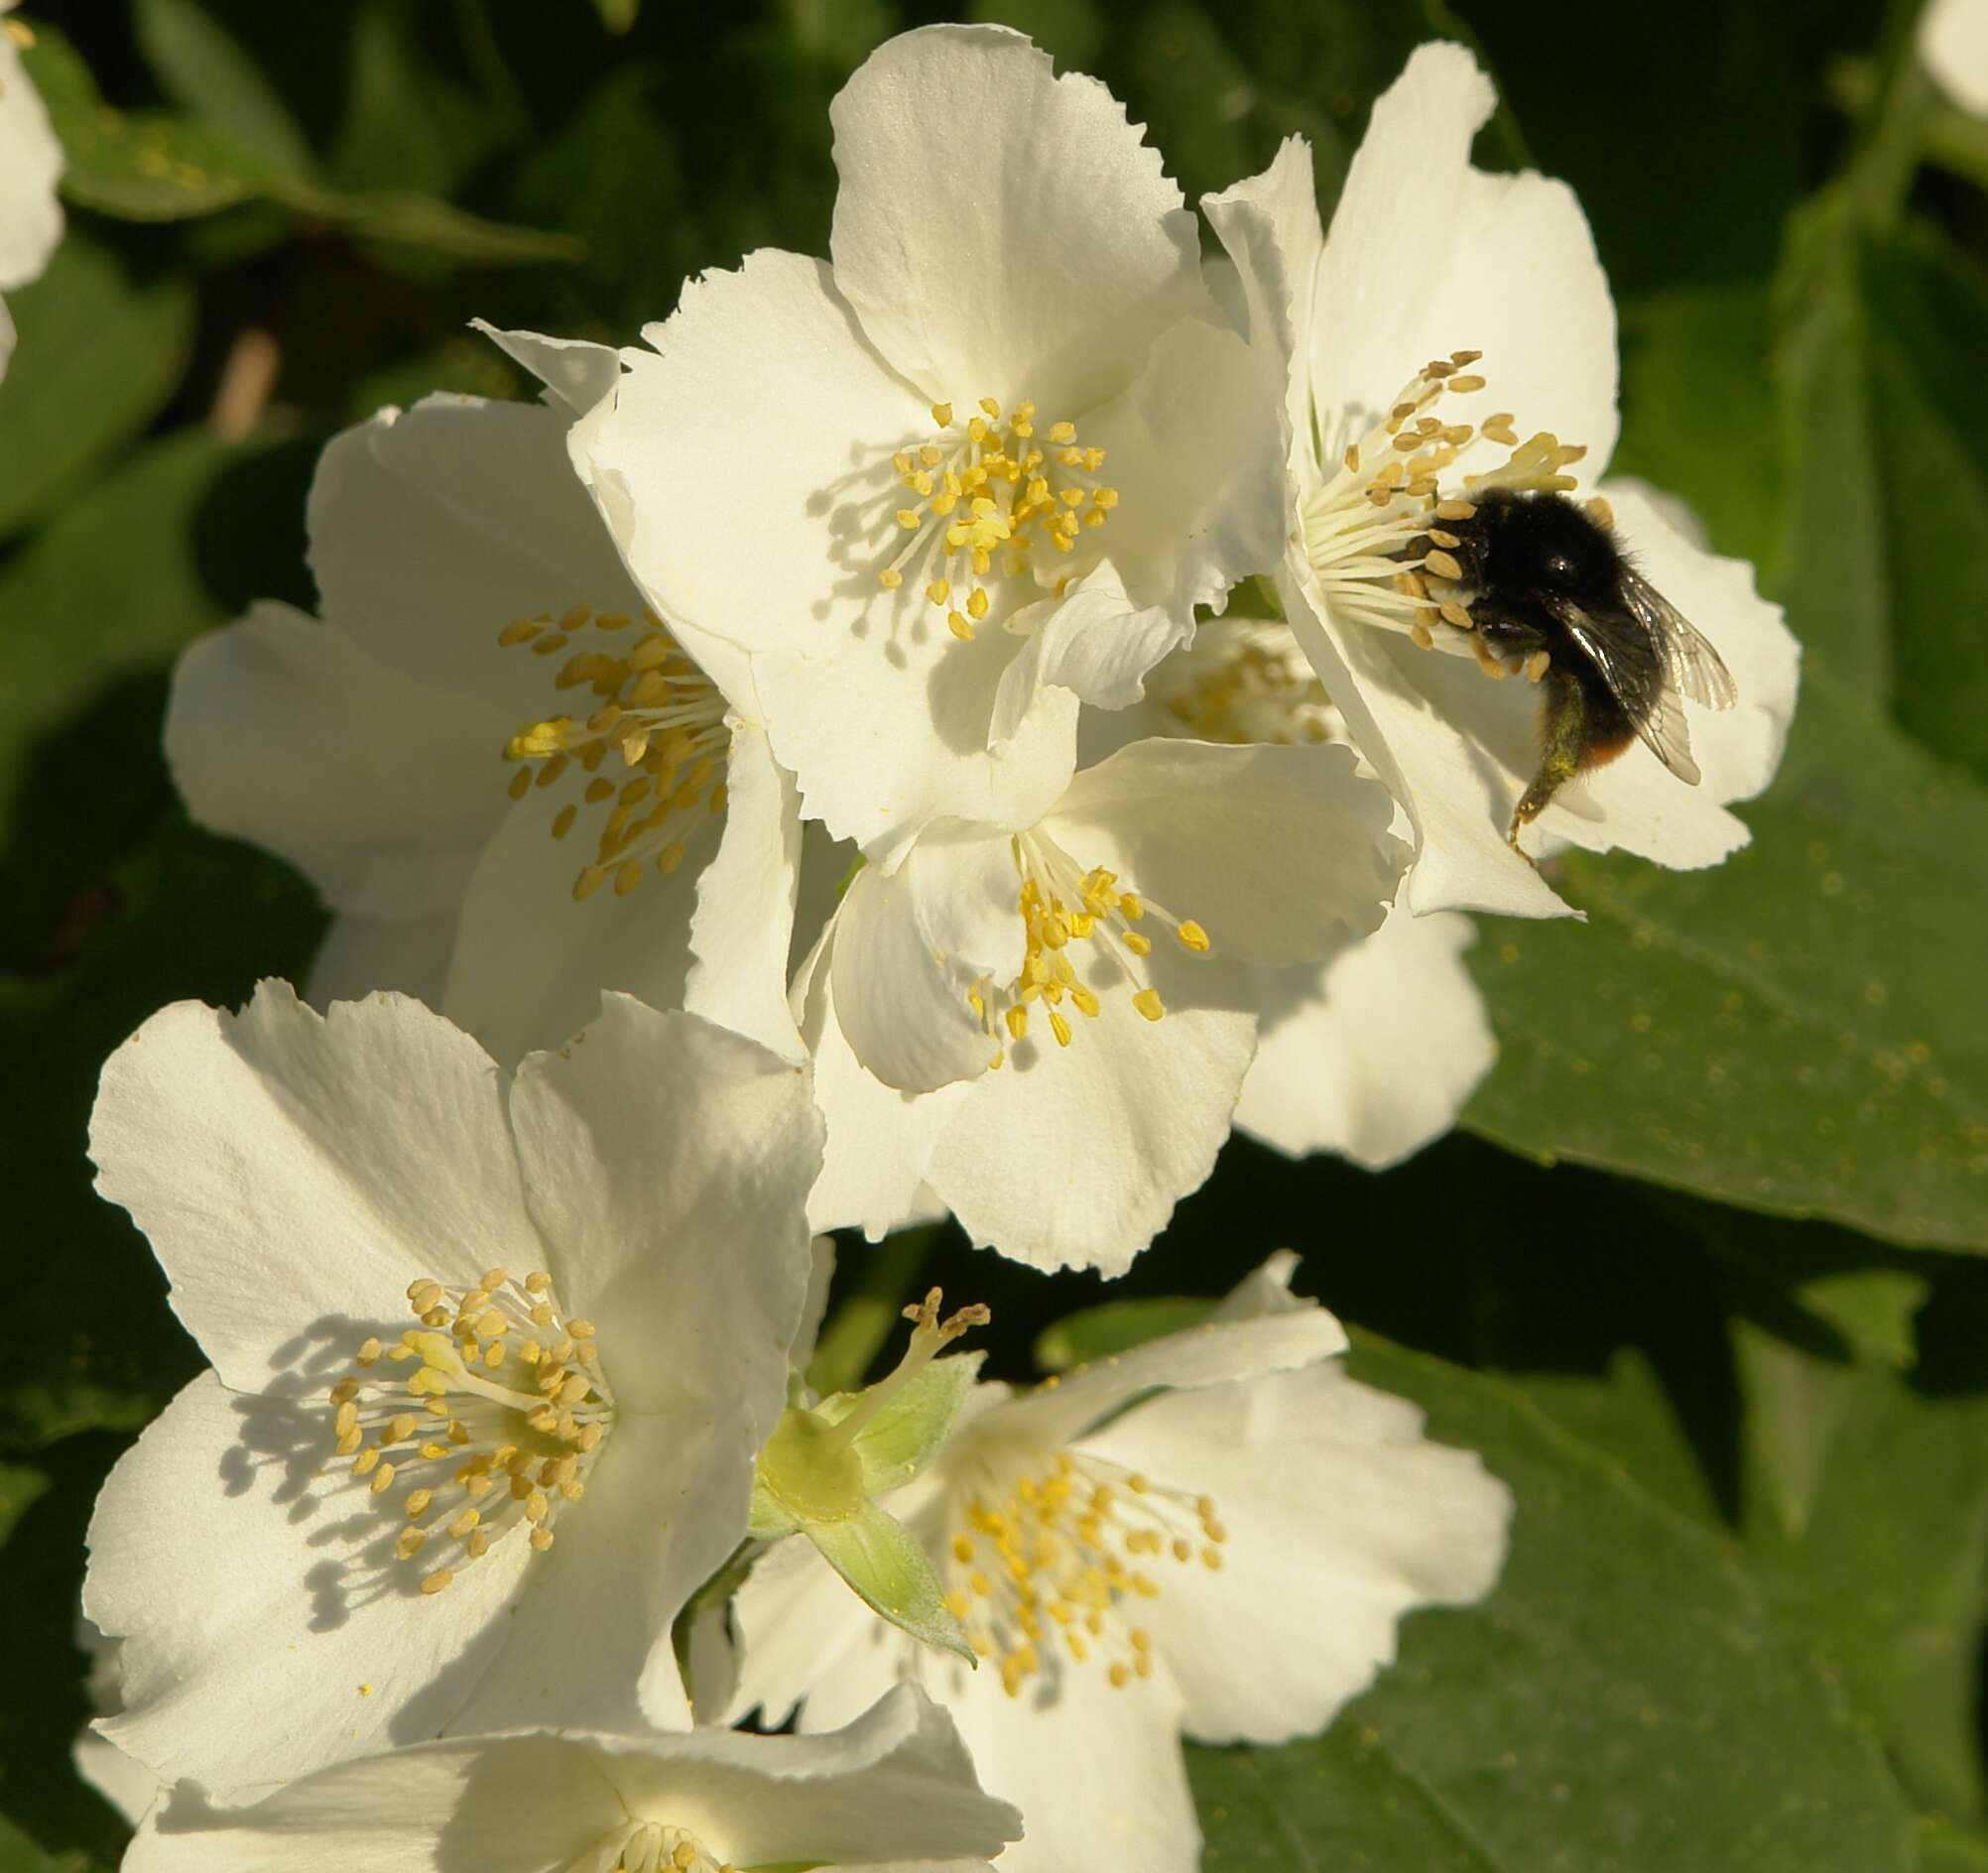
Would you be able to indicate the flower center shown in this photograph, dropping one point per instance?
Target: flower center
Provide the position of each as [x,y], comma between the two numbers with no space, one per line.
[986,493]
[1375,531]
[657,1847]
[494,1430]
[1241,681]
[1061,905]
[660,718]
[1055,1563]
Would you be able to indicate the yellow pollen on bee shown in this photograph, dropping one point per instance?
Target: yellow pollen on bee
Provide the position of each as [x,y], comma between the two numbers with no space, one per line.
[480,1431]
[655,717]
[1045,1551]
[989,489]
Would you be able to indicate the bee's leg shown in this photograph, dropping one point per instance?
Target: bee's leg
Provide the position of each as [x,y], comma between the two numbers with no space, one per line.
[1564,732]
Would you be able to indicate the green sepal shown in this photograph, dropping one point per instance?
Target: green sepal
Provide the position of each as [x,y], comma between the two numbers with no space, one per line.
[887,1569]
[907,1430]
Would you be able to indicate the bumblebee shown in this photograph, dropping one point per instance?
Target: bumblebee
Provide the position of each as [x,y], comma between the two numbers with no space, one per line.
[1548,577]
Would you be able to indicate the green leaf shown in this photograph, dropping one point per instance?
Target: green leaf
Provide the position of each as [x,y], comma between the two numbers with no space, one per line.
[205,70]
[617,15]
[1945,1849]
[102,349]
[1115,1326]
[1884,405]
[140,166]
[1699,414]
[155,166]
[113,586]
[1927,323]
[1624,1700]
[1800,1030]
[1866,1511]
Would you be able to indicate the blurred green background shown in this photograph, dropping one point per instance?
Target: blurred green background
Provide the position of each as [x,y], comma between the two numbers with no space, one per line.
[1730,1350]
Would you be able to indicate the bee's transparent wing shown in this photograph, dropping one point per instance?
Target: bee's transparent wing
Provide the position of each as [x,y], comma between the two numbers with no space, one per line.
[1694,668]
[1633,662]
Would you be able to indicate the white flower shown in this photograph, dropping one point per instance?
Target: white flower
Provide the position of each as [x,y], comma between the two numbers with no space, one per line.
[985,464]
[1050,1027]
[1227,1557]
[1372,1050]
[444,1305]
[473,607]
[1449,315]
[1953,46]
[894,1793]
[31,165]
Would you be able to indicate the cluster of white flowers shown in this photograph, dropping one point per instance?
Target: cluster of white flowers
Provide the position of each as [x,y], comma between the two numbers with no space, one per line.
[805,772]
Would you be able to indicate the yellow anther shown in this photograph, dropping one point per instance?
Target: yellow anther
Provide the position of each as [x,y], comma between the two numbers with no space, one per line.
[1149,1004]
[890,579]
[957,623]
[1192,935]
[435,1582]
[940,591]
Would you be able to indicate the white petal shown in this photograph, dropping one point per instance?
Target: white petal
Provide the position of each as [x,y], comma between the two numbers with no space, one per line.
[31,164]
[910,943]
[1196,452]
[526,1802]
[294,1173]
[1073,1157]
[880,1140]
[1096,1772]
[1247,1338]
[1097,643]
[668,1163]
[432,529]
[1341,1517]
[588,1639]
[1269,225]
[1277,852]
[293,735]
[1373,1053]
[744,922]
[6,339]
[266,1631]
[892,1792]
[407,954]
[1416,716]
[1426,255]
[753,448]
[578,375]
[1953,46]
[529,962]
[123,1781]
[1002,231]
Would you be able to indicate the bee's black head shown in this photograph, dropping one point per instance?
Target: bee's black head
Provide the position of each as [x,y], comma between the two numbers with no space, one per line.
[1519,543]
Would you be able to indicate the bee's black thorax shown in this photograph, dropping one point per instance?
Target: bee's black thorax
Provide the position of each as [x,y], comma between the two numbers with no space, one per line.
[1531,559]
